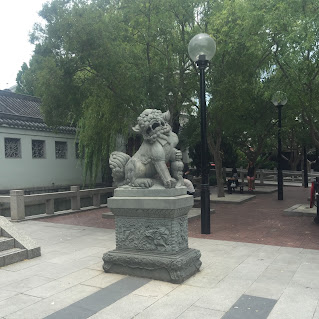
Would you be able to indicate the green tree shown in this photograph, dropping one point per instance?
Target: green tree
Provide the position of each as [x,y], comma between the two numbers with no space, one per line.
[234,80]
[97,64]
[293,35]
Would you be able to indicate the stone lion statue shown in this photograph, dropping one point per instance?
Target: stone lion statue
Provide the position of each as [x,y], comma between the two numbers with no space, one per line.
[149,163]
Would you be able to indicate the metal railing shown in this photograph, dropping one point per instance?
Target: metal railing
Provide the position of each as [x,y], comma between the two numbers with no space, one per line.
[18,200]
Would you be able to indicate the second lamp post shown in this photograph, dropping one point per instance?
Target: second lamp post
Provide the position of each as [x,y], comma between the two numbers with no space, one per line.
[279,99]
[201,49]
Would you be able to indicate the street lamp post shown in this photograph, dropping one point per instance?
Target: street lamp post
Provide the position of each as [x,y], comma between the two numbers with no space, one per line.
[279,99]
[201,50]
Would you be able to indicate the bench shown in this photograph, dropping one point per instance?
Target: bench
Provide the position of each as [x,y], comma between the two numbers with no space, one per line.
[232,189]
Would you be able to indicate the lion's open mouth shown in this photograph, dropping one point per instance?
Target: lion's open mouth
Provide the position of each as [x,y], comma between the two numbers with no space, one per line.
[153,127]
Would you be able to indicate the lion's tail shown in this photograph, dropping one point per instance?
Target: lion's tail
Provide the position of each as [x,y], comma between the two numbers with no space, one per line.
[117,163]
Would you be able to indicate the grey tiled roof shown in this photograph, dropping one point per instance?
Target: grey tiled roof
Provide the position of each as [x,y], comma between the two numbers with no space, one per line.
[22,111]
[18,104]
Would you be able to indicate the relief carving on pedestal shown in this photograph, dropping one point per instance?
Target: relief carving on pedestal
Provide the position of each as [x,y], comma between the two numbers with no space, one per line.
[152,234]
[143,234]
[181,232]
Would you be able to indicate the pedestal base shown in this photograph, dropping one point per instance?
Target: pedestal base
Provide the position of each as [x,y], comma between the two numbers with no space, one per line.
[152,235]
[174,268]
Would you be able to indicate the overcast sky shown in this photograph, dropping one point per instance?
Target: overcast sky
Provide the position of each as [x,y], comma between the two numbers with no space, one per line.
[16,21]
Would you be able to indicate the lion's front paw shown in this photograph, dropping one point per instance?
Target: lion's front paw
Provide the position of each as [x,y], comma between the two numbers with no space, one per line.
[171,183]
[143,182]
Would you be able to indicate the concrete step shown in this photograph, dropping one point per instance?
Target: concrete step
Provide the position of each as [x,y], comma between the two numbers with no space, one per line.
[6,243]
[11,256]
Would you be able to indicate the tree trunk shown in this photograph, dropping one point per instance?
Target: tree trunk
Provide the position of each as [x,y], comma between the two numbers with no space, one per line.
[294,160]
[219,174]
[214,149]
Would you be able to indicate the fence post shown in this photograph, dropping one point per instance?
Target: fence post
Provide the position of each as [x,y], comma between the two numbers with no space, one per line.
[17,208]
[49,206]
[97,200]
[75,201]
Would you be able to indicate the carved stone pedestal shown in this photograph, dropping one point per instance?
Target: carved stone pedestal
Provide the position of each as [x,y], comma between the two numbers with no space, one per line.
[152,235]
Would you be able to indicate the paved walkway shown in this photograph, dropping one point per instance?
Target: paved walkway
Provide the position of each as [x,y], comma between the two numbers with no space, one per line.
[261,219]
[238,279]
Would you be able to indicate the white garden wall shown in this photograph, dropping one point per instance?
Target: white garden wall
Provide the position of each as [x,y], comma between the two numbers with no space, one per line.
[28,172]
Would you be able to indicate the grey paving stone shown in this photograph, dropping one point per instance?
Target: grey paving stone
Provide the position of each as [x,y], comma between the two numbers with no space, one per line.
[78,255]
[103,280]
[27,284]
[74,311]
[8,277]
[201,313]
[288,276]
[54,303]
[63,283]
[250,271]
[174,303]
[96,266]
[51,270]
[224,294]
[296,302]
[156,289]
[210,276]
[203,280]
[307,275]
[267,289]
[5,294]
[312,259]
[126,308]
[266,254]
[92,304]
[289,259]
[15,303]
[250,307]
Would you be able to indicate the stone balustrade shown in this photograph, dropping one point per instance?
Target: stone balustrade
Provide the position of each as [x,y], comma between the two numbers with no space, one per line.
[18,200]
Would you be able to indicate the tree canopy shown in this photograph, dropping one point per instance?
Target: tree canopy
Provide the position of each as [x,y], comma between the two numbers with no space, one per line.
[98,63]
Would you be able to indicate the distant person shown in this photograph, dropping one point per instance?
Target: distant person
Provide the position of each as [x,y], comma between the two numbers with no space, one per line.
[232,182]
[190,187]
[251,172]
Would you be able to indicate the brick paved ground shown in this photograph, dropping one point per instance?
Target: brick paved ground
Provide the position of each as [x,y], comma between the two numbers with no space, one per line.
[259,221]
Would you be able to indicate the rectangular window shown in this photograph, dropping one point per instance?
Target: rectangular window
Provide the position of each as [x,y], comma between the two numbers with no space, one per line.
[38,149]
[61,149]
[12,147]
